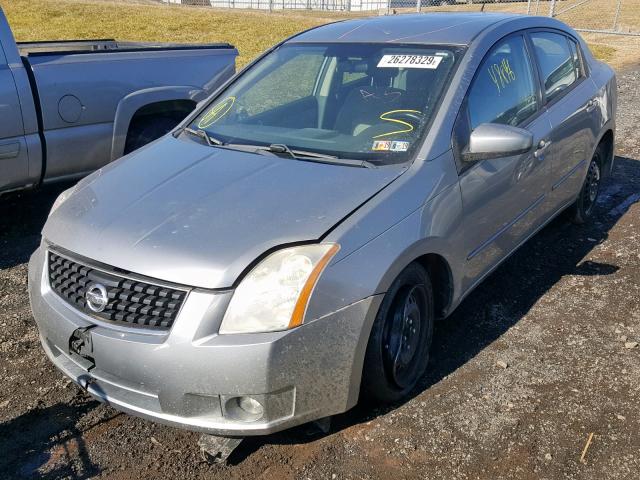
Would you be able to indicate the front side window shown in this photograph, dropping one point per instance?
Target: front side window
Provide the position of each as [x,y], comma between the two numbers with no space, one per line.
[558,63]
[503,90]
[354,101]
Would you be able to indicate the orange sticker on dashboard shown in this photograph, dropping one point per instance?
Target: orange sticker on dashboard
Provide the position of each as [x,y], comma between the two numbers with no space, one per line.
[381,146]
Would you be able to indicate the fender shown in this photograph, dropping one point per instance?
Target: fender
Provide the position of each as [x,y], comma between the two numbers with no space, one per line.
[438,236]
[609,125]
[608,168]
[129,105]
[433,246]
[369,269]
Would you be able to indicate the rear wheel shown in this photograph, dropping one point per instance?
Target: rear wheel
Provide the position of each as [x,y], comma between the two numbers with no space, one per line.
[582,210]
[398,349]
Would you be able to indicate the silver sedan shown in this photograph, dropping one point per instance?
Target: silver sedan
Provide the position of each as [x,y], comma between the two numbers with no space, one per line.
[286,250]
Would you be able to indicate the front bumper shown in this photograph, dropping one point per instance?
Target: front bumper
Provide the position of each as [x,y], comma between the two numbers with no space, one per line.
[191,377]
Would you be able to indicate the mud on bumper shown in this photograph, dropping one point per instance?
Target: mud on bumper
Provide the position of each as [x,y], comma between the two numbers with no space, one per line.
[193,378]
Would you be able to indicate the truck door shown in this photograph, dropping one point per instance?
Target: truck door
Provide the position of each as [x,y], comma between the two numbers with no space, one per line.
[14,165]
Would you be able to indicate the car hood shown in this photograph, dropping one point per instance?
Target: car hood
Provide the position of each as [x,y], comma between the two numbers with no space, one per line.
[183,212]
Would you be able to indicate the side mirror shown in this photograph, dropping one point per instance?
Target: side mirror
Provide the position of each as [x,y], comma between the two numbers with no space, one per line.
[491,140]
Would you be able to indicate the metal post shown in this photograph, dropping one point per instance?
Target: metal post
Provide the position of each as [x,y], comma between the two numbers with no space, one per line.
[418,6]
[528,7]
[552,8]
[617,17]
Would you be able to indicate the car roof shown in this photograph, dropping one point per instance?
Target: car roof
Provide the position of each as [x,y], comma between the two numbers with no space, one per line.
[429,28]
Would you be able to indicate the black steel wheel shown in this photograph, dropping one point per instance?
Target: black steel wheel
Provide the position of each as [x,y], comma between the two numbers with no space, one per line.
[582,210]
[591,187]
[398,349]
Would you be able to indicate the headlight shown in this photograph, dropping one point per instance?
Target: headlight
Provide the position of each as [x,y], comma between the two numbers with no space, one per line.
[61,199]
[274,295]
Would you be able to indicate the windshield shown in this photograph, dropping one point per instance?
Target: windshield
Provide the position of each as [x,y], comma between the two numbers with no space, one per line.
[353,101]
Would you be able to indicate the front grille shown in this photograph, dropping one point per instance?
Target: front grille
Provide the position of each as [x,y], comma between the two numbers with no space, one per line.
[130,302]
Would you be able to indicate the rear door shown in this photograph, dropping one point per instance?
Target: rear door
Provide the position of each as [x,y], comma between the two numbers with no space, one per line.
[13,149]
[569,100]
[503,197]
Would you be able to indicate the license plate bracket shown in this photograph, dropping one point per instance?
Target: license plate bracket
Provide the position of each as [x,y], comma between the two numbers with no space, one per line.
[81,344]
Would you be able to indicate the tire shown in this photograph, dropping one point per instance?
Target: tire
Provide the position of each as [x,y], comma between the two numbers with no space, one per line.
[394,361]
[582,210]
[147,129]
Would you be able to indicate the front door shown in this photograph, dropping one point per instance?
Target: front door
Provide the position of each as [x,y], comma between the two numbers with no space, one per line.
[13,148]
[503,197]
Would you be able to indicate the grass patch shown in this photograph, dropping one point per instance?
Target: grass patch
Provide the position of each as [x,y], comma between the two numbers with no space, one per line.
[605,53]
[251,32]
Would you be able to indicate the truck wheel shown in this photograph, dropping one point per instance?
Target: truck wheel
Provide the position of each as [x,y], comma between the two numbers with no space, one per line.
[582,210]
[398,349]
[146,130]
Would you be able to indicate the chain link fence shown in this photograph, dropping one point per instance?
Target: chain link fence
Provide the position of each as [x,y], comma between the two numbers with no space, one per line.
[618,17]
[314,5]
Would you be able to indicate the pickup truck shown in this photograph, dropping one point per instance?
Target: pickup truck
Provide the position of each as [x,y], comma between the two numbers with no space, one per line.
[69,107]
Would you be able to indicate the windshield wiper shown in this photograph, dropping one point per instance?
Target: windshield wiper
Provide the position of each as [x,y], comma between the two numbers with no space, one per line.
[325,158]
[211,141]
[279,148]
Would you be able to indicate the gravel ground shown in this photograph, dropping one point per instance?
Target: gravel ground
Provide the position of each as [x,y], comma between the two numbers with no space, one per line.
[562,316]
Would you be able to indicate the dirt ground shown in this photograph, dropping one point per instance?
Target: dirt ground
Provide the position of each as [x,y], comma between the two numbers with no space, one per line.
[563,315]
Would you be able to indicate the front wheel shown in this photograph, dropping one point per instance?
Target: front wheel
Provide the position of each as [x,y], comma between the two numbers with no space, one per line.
[582,210]
[398,349]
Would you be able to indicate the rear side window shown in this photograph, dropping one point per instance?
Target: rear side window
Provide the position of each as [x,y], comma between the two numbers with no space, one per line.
[573,46]
[504,88]
[558,62]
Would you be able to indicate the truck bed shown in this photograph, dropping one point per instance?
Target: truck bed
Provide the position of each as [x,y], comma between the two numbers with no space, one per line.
[70,107]
[83,89]
[58,47]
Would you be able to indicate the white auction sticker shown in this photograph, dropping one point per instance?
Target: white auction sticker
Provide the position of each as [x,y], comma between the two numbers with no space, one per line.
[410,61]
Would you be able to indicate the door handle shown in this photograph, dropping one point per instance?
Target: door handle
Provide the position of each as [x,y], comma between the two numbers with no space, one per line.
[591,105]
[542,147]
[10,150]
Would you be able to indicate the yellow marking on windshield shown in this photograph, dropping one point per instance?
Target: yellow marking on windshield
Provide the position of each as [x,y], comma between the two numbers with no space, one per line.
[501,74]
[217,112]
[385,117]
